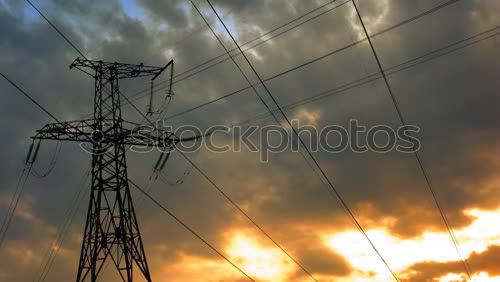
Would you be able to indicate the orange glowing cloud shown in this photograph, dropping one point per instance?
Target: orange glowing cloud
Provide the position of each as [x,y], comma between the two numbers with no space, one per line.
[429,255]
[263,263]
[403,253]
[196,268]
[260,262]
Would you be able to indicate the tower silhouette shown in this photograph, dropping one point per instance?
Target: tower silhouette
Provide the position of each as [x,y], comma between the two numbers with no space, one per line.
[111,229]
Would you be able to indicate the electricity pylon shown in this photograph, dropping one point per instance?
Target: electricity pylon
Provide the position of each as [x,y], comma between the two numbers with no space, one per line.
[111,229]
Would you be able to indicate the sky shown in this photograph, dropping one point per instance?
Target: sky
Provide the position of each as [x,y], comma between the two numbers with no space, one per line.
[453,98]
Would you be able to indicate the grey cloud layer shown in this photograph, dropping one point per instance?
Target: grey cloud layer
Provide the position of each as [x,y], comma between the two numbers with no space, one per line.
[453,99]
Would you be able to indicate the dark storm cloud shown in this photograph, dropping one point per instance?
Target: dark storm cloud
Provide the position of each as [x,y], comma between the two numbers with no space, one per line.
[440,96]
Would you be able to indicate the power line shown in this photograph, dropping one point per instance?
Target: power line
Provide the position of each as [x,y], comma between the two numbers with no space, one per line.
[13,199]
[377,75]
[417,155]
[55,28]
[63,36]
[234,204]
[339,197]
[188,228]
[62,230]
[333,52]
[29,97]
[234,61]
[17,195]
[14,203]
[292,21]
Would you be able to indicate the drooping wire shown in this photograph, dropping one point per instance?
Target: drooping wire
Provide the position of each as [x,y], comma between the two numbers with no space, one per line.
[416,153]
[337,194]
[180,180]
[52,163]
[159,174]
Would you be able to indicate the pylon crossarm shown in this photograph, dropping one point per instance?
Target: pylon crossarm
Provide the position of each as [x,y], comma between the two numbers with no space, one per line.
[80,131]
[84,131]
[120,70]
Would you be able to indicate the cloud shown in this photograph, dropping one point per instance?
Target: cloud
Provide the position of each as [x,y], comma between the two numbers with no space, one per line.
[453,99]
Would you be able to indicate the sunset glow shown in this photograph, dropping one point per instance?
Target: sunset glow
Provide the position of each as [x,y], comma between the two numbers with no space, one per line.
[266,264]
[235,141]
[431,246]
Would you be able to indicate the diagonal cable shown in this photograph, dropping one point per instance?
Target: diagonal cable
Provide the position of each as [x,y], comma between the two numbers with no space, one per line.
[417,154]
[337,194]
[138,187]
[136,96]
[187,227]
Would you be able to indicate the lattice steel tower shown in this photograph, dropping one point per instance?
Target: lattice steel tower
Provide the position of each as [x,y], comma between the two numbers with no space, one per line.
[111,230]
